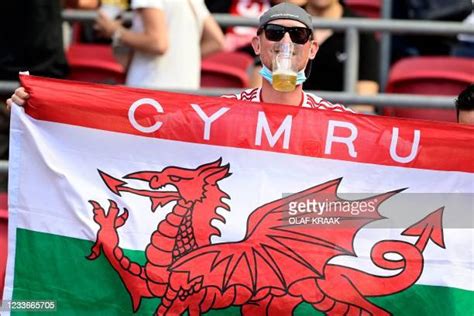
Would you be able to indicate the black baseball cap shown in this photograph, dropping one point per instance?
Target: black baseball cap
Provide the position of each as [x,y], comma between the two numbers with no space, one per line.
[286,11]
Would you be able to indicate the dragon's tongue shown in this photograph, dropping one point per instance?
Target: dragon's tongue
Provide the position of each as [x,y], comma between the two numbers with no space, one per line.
[163,199]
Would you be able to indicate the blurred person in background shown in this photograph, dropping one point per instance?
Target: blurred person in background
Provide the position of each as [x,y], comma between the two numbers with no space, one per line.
[465,44]
[430,10]
[84,31]
[328,69]
[167,39]
[465,105]
[31,39]
[82,4]
[238,38]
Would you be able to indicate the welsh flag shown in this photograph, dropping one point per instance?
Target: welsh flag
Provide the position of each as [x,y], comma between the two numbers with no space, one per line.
[130,201]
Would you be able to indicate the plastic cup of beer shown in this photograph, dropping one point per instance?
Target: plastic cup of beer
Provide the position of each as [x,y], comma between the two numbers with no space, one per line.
[284,73]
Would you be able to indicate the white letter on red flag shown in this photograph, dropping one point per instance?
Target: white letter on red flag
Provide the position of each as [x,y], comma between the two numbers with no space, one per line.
[208,120]
[414,147]
[348,141]
[262,125]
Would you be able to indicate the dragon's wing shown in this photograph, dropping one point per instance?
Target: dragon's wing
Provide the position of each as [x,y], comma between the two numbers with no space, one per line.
[275,253]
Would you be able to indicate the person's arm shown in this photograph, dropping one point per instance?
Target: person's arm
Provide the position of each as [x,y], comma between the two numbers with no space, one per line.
[367,87]
[154,38]
[212,39]
[80,4]
[368,65]
[368,71]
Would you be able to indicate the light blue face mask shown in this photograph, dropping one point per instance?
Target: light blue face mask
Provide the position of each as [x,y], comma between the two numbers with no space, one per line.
[267,75]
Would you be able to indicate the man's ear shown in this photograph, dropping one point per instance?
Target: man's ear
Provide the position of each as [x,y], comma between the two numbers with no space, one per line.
[313,49]
[256,45]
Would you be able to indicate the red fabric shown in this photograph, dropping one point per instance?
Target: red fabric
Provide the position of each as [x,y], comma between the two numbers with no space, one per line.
[107,108]
[3,205]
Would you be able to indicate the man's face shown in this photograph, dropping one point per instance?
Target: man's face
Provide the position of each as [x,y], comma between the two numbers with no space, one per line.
[302,52]
[466,117]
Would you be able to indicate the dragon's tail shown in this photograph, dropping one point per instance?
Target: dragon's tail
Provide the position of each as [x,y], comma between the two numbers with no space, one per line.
[410,260]
[351,287]
[410,263]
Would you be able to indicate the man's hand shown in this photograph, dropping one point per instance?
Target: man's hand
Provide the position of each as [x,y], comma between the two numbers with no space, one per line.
[106,26]
[19,97]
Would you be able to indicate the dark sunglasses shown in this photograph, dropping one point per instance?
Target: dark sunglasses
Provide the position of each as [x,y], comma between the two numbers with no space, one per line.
[298,35]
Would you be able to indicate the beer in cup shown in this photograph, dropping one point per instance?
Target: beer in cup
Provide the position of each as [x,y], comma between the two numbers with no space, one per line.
[284,73]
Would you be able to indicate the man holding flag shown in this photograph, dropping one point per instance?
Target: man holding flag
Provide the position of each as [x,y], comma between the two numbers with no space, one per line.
[127,199]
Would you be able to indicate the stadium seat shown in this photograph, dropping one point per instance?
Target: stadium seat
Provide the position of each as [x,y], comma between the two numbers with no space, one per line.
[432,75]
[3,238]
[94,63]
[365,8]
[226,70]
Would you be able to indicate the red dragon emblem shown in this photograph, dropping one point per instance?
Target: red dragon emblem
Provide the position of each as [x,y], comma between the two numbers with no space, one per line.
[272,270]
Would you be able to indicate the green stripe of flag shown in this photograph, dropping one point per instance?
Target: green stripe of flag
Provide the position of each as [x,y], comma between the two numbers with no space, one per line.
[52,267]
